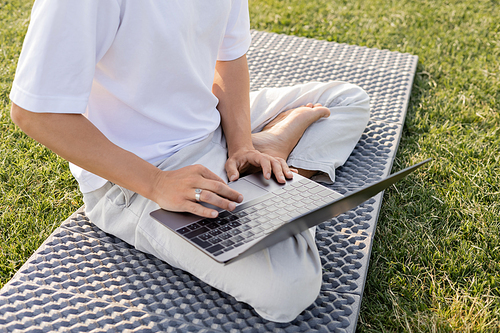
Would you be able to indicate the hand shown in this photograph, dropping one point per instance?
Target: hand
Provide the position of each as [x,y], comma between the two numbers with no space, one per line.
[247,159]
[175,191]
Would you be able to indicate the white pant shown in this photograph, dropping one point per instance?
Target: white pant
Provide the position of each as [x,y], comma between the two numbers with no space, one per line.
[283,280]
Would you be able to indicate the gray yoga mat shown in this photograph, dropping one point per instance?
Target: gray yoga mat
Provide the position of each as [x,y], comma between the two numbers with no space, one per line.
[82,279]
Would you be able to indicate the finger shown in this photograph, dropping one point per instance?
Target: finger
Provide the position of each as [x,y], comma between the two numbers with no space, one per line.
[294,170]
[287,171]
[222,191]
[232,170]
[309,105]
[317,105]
[206,173]
[216,200]
[265,164]
[199,210]
[278,171]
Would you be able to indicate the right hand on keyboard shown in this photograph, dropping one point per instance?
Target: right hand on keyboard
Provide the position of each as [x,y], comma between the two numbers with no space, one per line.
[175,191]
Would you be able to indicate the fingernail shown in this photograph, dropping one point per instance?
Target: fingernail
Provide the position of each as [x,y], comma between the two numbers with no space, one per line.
[231,206]
[233,178]
[268,175]
[240,198]
[213,214]
[282,178]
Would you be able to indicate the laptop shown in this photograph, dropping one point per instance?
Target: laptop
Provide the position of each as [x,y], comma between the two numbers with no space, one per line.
[270,213]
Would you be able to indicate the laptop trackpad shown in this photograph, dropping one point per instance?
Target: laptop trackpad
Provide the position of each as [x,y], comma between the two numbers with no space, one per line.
[249,190]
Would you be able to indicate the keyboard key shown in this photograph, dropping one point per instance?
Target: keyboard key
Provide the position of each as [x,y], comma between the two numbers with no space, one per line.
[277,222]
[237,239]
[205,237]
[225,236]
[224,213]
[299,204]
[248,239]
[316,189]
[277,199]
[302,210]
[182,231]
[245,227]
[250,210]
[227,243]
[272,215]
[266,226]
[196,232]
[225,228]
[252,223]
[272,208]
[280,191]
[257,230]
[234,224]
[310,185]
[244,220]
[325,192]
[201,243]
[261,212]
[281,204]
[194,226]
[258,206]
[212,225]
[215,240]
[215,248]
[215,232]
[247,234]
[234,232]
[204,222]
[334,195]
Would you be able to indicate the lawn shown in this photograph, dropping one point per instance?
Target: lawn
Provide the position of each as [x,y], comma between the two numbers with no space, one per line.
[435,263]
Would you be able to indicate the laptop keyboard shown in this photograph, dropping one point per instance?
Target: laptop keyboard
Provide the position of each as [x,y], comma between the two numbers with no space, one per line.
[258,217]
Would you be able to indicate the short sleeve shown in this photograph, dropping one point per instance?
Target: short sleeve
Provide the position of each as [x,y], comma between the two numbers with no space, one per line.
[64,42]
[237,37]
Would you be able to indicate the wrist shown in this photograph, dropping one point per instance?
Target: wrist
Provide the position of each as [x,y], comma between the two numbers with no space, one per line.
[152,184]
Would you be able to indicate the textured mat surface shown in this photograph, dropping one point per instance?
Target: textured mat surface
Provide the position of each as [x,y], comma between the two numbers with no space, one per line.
[82,279]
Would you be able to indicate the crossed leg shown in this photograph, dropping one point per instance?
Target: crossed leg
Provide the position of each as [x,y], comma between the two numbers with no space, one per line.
[284,279]
[281,135]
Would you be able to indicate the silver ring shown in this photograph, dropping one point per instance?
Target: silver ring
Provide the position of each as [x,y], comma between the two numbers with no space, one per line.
[197,194]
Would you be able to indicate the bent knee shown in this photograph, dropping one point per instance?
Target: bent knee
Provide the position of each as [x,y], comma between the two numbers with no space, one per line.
[287,296]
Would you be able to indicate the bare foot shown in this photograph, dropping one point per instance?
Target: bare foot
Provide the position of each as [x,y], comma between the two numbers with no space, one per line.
[281,135]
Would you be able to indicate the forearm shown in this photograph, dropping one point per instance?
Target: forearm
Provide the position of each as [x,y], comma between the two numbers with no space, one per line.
[232,87]
[77,140]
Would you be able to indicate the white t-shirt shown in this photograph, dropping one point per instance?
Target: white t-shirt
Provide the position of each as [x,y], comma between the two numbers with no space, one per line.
[140,71]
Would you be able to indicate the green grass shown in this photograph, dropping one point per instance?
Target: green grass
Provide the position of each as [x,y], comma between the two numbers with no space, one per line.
[37,191]
[435,263]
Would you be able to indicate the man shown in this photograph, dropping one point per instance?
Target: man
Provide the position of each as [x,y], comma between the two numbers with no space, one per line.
[150,103]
